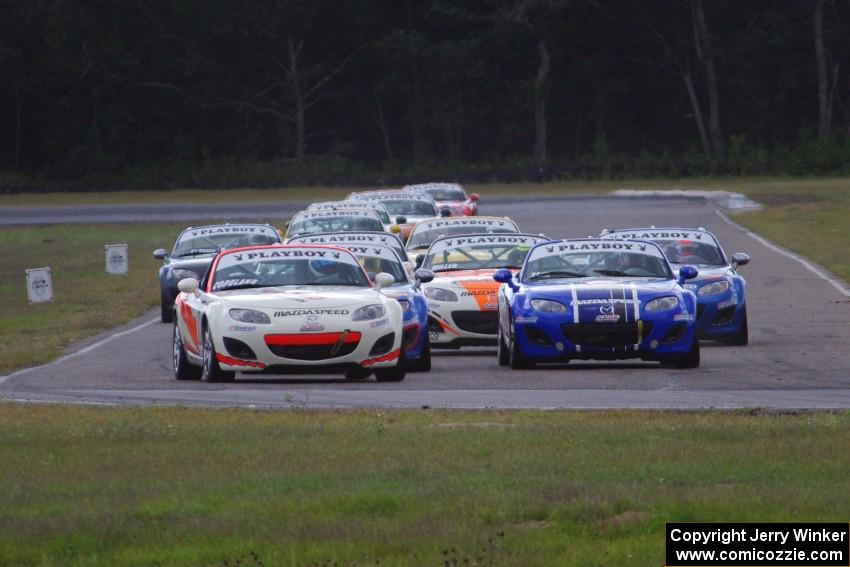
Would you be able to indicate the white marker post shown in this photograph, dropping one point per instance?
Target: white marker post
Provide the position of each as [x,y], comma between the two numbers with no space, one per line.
[39,285]
[117,260]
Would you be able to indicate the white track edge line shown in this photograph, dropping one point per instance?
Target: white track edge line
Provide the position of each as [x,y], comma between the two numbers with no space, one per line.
[812,267]
[89,348]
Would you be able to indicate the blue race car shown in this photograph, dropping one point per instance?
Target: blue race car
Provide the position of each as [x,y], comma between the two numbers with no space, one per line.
[597,299]
[721,291]
[376,258]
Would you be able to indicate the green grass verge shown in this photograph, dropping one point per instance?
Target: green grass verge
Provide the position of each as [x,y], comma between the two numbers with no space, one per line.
[160,486]
[745,184]
[87,300]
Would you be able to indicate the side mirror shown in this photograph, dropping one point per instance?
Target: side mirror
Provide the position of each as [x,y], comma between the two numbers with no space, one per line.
[474,197]
[189,285]
[423,276]
[687,273]
[445,212]
[740,259]
[506,277]
[160,254]
[418,261]
[383,280]
[401,219]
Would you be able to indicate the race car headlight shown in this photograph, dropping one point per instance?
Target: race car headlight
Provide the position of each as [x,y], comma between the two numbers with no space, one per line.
[662,304]
[405,305]
[440,294]
[181,274]
[548,306]
[368,312]
[714,288]
[250,316]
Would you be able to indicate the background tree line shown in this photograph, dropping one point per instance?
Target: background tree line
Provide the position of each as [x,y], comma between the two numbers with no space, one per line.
[219,92]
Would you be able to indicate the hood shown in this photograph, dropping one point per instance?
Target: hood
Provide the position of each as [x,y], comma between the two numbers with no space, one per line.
[602,287]
[300,297]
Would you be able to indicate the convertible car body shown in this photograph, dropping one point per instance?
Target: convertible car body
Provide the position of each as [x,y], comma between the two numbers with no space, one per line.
[406,208]
[287,309]
[450,195]
[462,297]
[720,289]
[426,232]
[194,251]
[596,299]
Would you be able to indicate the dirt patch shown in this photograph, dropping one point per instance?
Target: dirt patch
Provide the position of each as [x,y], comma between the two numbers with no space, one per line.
[780,199]
[625,519]
[533,525]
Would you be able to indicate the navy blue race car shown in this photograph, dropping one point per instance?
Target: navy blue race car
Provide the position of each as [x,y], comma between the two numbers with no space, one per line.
[596,299]
[194,251]
[720,289]
[406,289]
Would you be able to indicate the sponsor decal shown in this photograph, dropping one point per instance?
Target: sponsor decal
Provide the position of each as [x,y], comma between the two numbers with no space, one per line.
[230,230]
[306,311]
[242,328]
[438,267]
[312,327]
[525,319]
[268,254]
[489,307]
[224,284]
[683,317]
[500,239]
[727,303]
[465,222]
[389,357]
[379,323]
[336,213]
[476,292]
[603,300]
[593,246]
[603,318]
[665,235]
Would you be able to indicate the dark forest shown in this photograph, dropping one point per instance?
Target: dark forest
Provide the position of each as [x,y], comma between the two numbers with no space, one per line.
[160,93]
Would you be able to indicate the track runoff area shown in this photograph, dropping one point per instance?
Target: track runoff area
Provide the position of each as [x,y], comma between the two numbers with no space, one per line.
[798,319]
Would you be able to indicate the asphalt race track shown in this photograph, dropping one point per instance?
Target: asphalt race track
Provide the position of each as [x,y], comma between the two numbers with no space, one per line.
[796,358]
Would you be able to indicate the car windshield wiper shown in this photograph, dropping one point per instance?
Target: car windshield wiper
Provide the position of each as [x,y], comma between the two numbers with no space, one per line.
[240,286]
[556,274]
[454,269]
[611,272]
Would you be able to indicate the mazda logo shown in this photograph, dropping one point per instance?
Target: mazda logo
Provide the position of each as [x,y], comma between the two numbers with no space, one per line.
[606,309]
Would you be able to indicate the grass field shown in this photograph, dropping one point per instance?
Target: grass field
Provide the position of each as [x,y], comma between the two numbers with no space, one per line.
[749,185]
[87,487]
[87,299]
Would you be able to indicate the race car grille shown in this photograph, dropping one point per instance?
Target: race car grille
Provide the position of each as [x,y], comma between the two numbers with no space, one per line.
[410,336]
[313,346]
[482,322]
[604,335]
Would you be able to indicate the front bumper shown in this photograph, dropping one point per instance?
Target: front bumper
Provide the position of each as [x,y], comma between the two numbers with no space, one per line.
[259,348]
[454,329]
[720,316]
[550,337]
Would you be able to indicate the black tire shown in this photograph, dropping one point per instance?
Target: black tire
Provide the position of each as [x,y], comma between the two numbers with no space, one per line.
[211,371]
[742,337]
[166,307]
[502,350]
[691,359]
[423,363]
[183,369]
[516,359]
[395,373]
[358,373]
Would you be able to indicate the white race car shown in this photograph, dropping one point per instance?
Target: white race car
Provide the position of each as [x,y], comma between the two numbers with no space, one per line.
[426,232]
[405,207]
[368,205]
[463,297]
[287,310]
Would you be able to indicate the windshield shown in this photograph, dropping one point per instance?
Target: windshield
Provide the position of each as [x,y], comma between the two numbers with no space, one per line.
[446,194]
[584,264]
[476,257]
[374,265]
[409,207]
[691,252]
[424,238]
[334,224]
[284,272]
[202,244]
